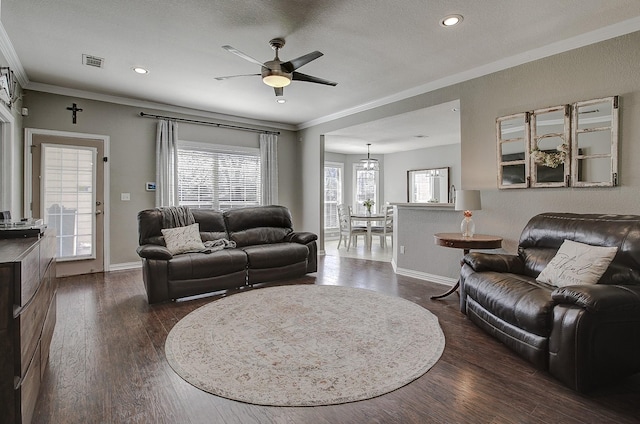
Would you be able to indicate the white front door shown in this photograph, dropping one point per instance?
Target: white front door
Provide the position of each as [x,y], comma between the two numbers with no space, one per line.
[68,194]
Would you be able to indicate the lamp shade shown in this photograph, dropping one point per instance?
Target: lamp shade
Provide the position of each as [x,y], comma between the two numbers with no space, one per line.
[468,200]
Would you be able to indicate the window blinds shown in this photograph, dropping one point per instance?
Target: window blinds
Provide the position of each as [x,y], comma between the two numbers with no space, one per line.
[218,177]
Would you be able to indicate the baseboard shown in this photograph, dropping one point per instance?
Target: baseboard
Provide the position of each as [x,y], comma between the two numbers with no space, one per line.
[125,265]
[438,279]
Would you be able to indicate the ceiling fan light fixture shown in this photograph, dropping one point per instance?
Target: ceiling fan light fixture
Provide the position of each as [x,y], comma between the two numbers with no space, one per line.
[276,81]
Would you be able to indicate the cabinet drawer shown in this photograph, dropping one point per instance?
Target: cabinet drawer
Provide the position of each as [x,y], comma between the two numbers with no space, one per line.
[47,250]
[27,284]
[30,322]
[27,392]
[47,334]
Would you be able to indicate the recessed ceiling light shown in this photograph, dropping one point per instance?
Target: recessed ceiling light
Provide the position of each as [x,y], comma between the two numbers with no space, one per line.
[281,101]
[139,70]
[451,20]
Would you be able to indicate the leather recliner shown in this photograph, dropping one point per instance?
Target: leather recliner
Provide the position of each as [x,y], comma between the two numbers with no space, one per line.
[584,335]
[267,249]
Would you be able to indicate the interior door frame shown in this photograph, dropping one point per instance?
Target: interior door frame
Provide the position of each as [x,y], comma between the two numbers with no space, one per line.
[28,195]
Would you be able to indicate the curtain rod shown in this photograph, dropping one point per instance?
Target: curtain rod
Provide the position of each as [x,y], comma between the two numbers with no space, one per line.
[193,121]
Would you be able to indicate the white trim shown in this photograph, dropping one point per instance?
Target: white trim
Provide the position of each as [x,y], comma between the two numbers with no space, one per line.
[7,143]
[438,279]
[9,53]
[592,37]
[28,142]
[125,266]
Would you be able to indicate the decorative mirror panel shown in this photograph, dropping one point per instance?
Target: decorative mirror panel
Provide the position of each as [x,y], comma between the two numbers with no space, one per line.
[428,185]
[560,146]
[513,150]
[550,147]
[595,143]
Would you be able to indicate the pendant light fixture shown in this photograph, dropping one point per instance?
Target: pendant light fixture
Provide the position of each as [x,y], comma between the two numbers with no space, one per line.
[368,163]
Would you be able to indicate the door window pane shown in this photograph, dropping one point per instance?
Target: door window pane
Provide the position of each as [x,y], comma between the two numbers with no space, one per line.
[68,197]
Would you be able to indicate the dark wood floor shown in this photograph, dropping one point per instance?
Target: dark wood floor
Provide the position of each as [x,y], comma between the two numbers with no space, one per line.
[107,365]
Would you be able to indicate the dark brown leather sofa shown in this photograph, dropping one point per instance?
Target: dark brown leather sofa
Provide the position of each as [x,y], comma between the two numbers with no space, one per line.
[267,249]
[584,335]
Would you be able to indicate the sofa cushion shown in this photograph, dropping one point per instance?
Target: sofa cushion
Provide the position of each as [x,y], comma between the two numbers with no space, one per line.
[258,225]
[517,299]
[183,239]
[212,226]
[276,255]
[205,265]
[577,263]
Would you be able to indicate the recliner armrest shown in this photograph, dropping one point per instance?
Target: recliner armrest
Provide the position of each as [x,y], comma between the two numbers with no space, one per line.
[497,262]
[301,237]
[154,251]
[624,300]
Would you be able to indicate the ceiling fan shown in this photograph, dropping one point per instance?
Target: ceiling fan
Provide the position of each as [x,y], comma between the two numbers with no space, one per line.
[278,74]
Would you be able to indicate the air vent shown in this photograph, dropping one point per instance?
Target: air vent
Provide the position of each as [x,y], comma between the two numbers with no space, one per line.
[96,62]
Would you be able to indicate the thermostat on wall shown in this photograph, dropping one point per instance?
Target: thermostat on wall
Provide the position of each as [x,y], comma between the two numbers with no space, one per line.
[151,187]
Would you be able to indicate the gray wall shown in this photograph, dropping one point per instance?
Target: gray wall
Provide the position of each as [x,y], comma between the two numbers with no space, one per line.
[396,166]
[600,70]
[132,158]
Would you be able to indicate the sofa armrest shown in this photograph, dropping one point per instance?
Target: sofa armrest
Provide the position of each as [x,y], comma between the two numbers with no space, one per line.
[301,237]
[154,251]
[496,262]
[623,300]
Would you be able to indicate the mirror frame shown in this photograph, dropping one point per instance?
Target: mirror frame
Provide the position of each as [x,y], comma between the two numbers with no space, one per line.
[413,171]
[524,161]
[547,172]
[613,153]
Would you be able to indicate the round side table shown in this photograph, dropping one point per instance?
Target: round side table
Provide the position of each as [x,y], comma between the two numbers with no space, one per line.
[458,241]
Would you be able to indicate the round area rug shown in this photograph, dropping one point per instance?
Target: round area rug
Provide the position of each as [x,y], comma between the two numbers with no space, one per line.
[304,345]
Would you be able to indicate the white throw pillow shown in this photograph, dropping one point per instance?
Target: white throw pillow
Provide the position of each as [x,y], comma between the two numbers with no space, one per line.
[577,263]
[183,239]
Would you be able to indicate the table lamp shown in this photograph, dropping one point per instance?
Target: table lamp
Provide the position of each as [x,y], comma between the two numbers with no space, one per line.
[467,201]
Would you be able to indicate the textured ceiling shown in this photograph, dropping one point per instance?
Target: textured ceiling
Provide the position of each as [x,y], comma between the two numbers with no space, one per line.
[374,50]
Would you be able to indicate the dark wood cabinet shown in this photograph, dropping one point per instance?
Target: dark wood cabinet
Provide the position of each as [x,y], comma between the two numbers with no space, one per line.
[27,320]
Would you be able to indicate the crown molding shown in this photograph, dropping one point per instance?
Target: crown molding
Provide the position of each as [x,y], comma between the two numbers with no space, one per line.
[6,47]
[82,94]
[596,36]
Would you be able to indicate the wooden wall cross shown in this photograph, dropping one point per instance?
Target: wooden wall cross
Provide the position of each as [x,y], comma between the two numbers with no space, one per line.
[74,108]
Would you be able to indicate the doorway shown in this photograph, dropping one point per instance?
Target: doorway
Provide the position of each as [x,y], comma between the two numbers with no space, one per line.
[68,191]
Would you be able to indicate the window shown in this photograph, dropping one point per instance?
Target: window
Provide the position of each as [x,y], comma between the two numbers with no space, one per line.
[333,182]
[68,196]
[365,187]
[218,177]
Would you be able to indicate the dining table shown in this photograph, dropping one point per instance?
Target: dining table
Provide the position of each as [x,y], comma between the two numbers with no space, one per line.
[368,218]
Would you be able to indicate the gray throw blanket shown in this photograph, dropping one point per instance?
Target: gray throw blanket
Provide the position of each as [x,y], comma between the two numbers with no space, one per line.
[215,245]
[176,216]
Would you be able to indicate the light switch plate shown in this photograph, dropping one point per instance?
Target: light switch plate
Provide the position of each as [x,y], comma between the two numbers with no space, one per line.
[125,197]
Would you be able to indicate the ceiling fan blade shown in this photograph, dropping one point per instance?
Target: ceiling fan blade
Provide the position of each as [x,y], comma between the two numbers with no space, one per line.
[236,76]
[279,91]
[298,76]
[243,55]
[294,64]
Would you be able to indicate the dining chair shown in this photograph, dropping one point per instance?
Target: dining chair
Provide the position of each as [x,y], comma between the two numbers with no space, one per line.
[386,229]
[347,229]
